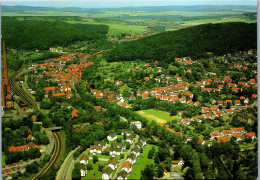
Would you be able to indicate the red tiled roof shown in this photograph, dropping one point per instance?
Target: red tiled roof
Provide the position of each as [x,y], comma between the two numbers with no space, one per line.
[224,139]
[250,134]
[214,133]
[227,132]
[235,129]
[127,164]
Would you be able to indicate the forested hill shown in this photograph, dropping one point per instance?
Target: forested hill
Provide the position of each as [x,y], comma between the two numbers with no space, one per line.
[37,34]
[193,41]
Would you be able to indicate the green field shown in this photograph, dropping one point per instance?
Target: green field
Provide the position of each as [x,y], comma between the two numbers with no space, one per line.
[3,159]
[115,27]
[157,115]
[141,163]
[94,173]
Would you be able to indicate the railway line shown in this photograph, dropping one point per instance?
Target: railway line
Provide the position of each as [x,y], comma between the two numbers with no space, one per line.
[20,91]
[54,157]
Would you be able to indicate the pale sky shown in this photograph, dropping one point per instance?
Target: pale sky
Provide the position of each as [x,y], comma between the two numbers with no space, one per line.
[123,3]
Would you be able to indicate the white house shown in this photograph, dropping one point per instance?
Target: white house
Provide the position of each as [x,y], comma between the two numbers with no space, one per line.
[143,140]
[95,149]
[130,139]
[107,173]
[83,159]
[101,143]
[83,170]
[112,137]
[138,124]
[122,175]
[113,163]
[135,151]
[126,132]
[115,151]
[131,158]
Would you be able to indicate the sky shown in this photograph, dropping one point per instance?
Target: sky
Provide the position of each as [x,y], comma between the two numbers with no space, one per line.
[122,3]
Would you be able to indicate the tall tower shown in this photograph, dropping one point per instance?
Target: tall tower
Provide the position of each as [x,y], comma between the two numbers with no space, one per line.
[6,87]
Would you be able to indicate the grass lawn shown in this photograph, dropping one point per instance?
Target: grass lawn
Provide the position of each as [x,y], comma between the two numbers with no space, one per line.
[3,159]
[141,163]
[95,173]
[157,115]
[99,156]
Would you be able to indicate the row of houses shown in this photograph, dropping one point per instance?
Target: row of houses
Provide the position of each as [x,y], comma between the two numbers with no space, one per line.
[127,166]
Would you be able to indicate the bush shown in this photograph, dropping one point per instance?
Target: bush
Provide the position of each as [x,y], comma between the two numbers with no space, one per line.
[89,167]
[95,159]
[122,156]
[105,153]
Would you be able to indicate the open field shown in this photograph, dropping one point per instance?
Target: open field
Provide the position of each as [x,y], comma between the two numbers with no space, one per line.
[141,163]
[157,115]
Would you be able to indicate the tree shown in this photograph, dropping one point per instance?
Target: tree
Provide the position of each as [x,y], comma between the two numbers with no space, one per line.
[150,154]
[168,164]
[95,159]
[32,168]
[122,156]
[160,171]
[147,173]
[76,173]
[89,167]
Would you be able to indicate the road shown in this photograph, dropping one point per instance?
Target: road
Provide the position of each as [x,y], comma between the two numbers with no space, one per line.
[119,167]
[55,155]
[65,171]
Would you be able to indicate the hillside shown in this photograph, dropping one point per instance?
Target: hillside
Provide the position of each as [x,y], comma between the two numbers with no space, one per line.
[41,34]
[193,41]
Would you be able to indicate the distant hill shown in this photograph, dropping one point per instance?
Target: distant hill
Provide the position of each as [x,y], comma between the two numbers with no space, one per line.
[194,41]
[40,34]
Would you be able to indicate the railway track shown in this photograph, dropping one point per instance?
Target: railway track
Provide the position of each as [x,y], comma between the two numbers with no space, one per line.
[55,155]
[20,91]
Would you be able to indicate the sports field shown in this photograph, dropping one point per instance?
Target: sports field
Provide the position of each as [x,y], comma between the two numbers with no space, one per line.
[157,116]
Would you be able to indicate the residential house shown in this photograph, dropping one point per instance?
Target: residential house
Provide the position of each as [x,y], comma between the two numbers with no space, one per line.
[227,132]
[138,124]
[178,162]
[103,144]
[83,159]
[131,158]
[107,173]
[135,151]
[214,134]
[119,145]
[30,138]
[122,175]
[246,118]
[83,169]
[127,167]
[251,135]
[223,139]
[130,139]
[142,140]
[113,163]
[95,149]
[238,129]
[126,132]
[113,151]
[112,137]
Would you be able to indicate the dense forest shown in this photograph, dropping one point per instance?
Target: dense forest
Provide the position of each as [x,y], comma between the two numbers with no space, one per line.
[194,41]
[44,34]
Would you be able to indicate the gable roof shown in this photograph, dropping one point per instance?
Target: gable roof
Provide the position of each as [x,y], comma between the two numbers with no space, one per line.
[84,157]
[127,164]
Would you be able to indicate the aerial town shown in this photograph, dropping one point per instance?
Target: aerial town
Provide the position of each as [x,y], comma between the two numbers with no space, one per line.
[83,110]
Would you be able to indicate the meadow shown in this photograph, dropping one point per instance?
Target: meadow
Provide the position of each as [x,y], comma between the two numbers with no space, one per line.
[157,116]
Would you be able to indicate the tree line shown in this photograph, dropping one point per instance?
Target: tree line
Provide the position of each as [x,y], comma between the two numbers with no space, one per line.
[37,34]
[194,41]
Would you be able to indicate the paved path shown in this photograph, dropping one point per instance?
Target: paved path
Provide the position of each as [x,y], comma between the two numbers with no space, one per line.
[119,167]
[65,171]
